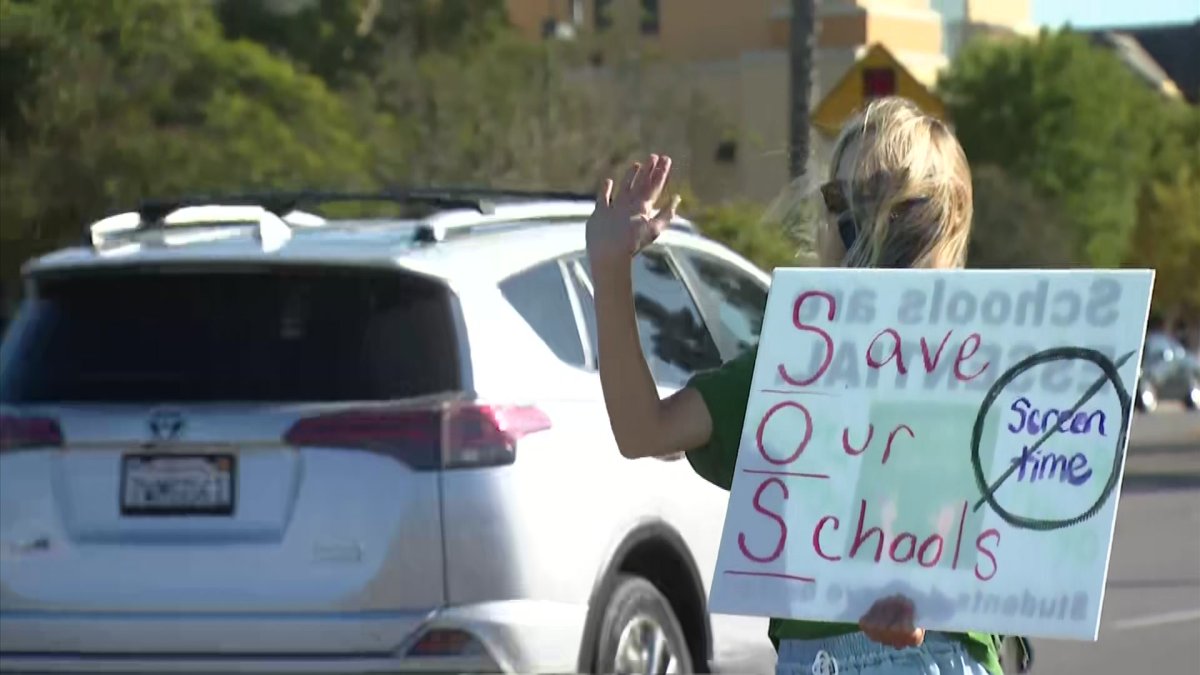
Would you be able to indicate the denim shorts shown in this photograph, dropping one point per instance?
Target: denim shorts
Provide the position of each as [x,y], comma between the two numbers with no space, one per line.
[856,654]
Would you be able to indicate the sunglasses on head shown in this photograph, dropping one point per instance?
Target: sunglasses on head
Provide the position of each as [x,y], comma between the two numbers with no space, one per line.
[834,195]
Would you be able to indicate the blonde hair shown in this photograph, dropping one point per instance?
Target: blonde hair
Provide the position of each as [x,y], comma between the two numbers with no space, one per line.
[910,193]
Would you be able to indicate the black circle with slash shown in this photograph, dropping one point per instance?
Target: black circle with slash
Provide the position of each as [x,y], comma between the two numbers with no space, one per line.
[1111,375]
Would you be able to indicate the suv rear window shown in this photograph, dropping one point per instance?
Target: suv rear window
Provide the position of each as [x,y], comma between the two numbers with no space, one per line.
[223,335]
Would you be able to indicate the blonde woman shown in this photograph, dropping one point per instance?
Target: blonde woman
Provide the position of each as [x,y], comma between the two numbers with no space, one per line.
[899,196]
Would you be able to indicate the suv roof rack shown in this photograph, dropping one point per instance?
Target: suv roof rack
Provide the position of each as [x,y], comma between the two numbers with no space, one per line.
[476,199]
[458,210]
[448,224]
[152,212]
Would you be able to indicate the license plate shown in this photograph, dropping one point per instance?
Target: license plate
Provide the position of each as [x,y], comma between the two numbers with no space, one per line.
[176,485]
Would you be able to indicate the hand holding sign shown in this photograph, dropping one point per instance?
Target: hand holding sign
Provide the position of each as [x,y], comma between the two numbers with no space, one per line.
[944,436]
[890,622]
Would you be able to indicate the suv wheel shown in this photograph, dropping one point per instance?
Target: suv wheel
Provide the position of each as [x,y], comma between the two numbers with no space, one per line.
[1192,400]
[640,633]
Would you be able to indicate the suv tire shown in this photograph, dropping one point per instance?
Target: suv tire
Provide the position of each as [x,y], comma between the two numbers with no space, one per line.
[637,620]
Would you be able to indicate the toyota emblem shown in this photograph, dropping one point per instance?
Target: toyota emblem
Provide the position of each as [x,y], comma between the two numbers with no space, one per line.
[166,425]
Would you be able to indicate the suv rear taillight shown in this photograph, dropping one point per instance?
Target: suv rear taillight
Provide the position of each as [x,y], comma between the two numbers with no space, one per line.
[17,433]
[453,436]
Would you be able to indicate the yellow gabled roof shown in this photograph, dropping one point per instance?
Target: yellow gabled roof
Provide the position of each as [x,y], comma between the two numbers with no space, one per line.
[847,96]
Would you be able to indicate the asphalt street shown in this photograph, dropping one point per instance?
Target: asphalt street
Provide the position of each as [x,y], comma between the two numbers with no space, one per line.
[1151,616]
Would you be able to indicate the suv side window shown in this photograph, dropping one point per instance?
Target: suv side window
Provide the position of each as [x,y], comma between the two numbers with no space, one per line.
[734,300]
[673,335]
[539,294]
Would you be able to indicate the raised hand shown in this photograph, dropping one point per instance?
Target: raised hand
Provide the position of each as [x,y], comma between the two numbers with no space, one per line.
[627,221]
[890,622]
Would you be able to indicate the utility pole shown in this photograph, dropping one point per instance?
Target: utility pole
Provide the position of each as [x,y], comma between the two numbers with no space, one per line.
[801,46]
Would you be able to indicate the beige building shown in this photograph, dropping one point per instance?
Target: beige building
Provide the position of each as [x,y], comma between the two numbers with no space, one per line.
[736,53]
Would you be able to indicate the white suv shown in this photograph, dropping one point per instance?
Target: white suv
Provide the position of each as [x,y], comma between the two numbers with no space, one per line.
[247,438]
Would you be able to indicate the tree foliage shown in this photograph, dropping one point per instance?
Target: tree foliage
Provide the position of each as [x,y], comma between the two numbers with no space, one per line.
[1015,227]
[117,101]
[1065,116]
[755,234]
[1167,237]
[504,114]
[343,40]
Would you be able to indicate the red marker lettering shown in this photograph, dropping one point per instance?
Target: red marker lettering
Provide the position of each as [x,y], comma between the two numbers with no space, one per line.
[816,539]
[773,516]
[962,521]
[860,536]
[895,354]
[987,534]
[931,363]
[887,451]
[762,427]
[925,546]
[912,547]
[963,356]
[812,329]
[852,451]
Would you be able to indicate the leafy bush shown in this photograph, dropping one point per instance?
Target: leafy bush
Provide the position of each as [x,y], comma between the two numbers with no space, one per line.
[745,228]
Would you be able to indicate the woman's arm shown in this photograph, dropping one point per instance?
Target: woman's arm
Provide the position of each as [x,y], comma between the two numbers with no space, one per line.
[643,424]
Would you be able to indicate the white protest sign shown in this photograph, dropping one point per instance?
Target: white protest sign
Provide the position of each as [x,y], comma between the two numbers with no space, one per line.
[910,431]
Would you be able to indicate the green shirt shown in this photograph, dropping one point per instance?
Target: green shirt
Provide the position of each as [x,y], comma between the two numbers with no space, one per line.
[726,392]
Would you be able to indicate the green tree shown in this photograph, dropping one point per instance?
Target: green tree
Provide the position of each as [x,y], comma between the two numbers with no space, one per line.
[343,40]
[753,233]
[1065,116]
[511,113]
[1015,227]
[123,100]
[1168,240]
[505,114]
[1167,237]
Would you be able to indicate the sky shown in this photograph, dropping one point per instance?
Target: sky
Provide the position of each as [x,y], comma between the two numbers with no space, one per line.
[1088,13]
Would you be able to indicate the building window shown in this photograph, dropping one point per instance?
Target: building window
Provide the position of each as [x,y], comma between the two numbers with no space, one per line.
[575,12]
[649,22]
[878,83]
[726,152]
[603,14]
